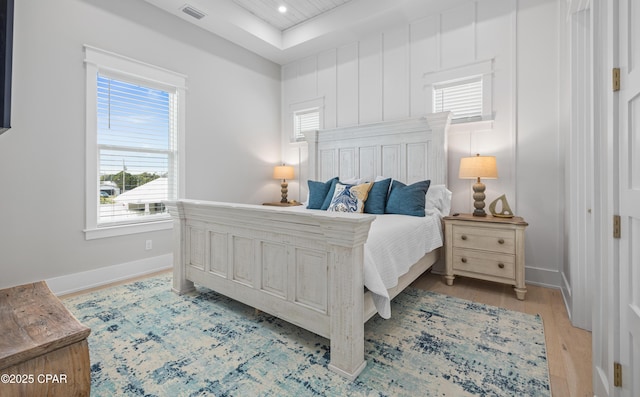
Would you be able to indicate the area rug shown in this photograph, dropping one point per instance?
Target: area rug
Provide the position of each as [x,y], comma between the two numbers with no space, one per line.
[148,341]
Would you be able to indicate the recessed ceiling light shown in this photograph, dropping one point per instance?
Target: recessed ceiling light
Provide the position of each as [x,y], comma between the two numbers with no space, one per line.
[282,9]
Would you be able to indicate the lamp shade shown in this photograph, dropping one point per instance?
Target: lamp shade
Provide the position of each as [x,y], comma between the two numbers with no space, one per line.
[283,172]
[478,167]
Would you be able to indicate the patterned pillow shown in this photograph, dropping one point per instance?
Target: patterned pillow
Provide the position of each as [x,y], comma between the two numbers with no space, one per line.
[329,196]
[349,198]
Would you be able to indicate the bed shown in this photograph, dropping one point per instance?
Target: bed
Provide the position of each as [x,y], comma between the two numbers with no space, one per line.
[308,266]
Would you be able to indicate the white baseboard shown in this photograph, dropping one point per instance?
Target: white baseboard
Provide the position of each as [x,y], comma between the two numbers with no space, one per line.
[75,282]
[566,295]
[543,277]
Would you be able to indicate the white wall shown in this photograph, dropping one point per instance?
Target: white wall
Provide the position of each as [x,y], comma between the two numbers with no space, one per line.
[229,156]
[383,77]
[540,139]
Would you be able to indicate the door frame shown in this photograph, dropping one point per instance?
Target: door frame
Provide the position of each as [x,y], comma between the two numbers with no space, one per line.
[606,306]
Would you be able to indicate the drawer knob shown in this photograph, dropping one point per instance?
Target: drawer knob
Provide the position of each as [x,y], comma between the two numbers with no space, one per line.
[463,237]
[501,241]
[464,260]
[501,265]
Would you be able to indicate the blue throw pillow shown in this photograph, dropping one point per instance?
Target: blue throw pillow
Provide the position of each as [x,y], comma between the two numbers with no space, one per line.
[407,200]
[332,189]
[318,193]
[377,199]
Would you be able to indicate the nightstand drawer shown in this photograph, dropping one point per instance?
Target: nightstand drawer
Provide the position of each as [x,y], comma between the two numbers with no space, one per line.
[499,265]
[485,239]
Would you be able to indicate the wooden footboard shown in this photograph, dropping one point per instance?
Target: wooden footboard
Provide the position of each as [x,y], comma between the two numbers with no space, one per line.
[306,268]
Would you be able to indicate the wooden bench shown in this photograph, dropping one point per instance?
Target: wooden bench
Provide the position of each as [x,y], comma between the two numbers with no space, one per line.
[43,347]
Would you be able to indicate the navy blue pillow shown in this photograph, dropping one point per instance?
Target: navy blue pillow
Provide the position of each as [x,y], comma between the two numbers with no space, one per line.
[318,193]
[332,189]
[377,198]
[407,200]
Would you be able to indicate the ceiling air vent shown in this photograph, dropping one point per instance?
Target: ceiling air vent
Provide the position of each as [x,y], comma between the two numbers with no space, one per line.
[197,14]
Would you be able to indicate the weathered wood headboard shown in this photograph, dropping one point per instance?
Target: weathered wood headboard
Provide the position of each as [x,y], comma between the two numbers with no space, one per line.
[406,150]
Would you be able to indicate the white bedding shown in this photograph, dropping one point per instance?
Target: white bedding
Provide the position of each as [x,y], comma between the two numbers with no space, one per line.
[395,243]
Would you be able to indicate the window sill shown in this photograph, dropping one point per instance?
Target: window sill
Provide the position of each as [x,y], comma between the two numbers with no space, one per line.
[473,121]
[123,230]
[474,126]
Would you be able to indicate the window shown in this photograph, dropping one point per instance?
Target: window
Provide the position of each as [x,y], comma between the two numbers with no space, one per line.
[134,129]
[461,97]
[305,120]
[465,91]
[304,116]
[136,146]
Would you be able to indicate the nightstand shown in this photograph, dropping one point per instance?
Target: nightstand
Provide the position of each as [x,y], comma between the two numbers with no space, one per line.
[287,204]
[488,248]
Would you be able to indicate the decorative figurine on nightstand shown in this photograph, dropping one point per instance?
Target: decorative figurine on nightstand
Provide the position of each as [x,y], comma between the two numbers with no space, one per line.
[505,211]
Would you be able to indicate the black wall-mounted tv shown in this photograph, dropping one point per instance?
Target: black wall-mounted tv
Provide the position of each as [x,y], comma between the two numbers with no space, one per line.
[6,52]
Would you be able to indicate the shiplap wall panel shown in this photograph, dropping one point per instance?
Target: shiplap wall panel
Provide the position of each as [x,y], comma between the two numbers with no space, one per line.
[307,78]
[396,74]
[490,30]
[327,86]
[289,79]
[424,59]
[347,86]
[458,36]
[370,75]
[389,69]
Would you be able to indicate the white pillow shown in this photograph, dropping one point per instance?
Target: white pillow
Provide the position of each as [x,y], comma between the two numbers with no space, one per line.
[351,181]
[438,200]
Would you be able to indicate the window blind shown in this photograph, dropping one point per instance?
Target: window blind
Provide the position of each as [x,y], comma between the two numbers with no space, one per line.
[305,120]
[136,150]
[461,97]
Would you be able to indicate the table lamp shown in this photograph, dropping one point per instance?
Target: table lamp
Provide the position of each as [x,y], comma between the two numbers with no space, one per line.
[283,172]
[475,168]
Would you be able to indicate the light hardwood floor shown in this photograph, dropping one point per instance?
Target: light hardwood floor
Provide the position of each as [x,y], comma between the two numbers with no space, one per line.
[568,348]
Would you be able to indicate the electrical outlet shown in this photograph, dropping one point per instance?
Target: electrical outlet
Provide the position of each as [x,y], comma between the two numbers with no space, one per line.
[148,244]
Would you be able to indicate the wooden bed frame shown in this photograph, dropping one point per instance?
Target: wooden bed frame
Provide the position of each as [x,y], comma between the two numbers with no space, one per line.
[306,267]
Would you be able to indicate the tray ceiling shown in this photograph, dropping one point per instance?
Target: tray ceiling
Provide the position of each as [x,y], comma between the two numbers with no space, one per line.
[297,11]
[308,27]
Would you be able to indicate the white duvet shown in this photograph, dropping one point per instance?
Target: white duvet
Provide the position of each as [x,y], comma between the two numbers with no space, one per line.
[395,243]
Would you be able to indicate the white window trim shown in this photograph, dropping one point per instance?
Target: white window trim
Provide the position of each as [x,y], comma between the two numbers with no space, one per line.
[482,68]
[100,61]
[304,105]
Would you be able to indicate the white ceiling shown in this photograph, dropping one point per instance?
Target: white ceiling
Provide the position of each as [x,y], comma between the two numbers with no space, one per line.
[297,11]
[313,26]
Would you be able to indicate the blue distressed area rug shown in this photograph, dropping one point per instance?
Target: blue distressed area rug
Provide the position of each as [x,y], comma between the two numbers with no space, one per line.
[148,341]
